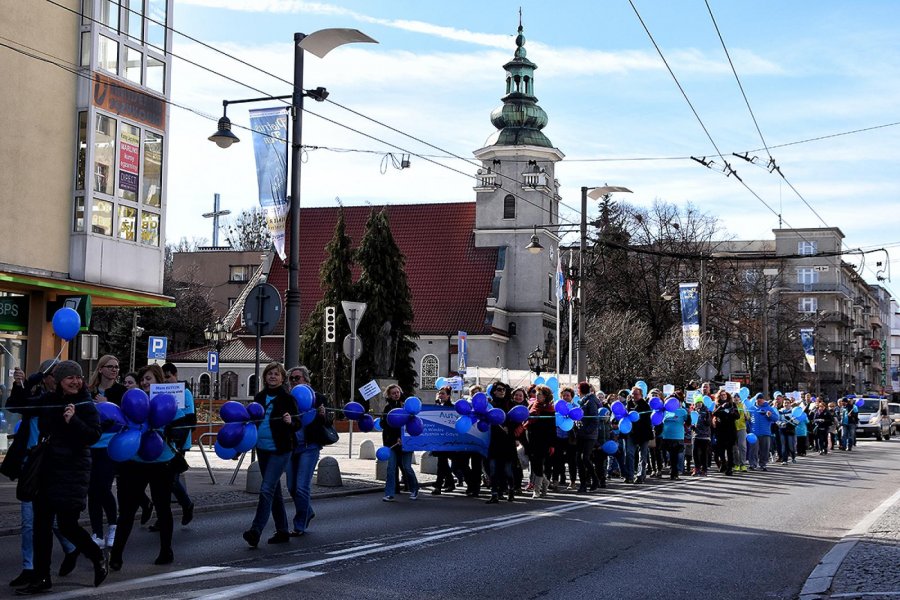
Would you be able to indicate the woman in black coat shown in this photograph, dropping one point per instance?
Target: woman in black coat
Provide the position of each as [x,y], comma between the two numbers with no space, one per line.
[502,447]
[68,421]
[724,418]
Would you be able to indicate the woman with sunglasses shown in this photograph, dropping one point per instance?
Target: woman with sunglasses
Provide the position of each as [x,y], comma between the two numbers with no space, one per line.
[104,387]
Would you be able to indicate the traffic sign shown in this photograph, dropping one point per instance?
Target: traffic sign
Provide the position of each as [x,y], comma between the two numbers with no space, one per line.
[262,307]
[462,351]
[357,347]
[212,361]
[156,347]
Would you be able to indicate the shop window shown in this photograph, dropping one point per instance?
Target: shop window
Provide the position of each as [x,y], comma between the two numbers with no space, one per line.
[82,150]
[153,157]
[102,217]
[78,221]
[108,58]
[133,59]
[156,75]
[129,161]
[127,223]
[149,228]
[156,30]
[104,154]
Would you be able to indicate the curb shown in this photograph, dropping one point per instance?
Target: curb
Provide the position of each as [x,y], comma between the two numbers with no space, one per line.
[208,508]
[819,582]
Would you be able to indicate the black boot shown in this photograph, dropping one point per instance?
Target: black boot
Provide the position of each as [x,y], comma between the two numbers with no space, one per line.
[68,563]
[101,569]
[23,579]
[37,586]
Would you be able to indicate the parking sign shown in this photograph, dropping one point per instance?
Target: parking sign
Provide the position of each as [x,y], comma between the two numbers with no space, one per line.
[212,361]
[156,347]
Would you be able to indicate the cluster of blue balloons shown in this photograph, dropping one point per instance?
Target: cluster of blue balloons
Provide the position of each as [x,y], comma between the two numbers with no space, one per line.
[402,417]
[550,382]
[136,425]
[239,434]
[479,413]
[66,323]
[567,413]
[626,419]
[357,412]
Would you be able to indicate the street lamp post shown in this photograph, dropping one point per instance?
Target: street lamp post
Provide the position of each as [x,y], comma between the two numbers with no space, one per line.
[318,43]
[217,335]
[537,361]
[595,193]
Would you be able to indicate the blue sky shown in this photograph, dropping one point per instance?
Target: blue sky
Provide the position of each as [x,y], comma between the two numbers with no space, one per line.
[809,69]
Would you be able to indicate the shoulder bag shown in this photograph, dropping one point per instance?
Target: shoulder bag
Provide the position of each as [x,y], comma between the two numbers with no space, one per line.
[30,479]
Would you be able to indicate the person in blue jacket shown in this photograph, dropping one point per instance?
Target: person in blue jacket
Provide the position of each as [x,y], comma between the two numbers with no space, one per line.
[181,438]
[762,417]
[673,438]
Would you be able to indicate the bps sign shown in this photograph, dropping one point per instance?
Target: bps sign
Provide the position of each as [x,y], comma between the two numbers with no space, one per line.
[116,97]
[13,313]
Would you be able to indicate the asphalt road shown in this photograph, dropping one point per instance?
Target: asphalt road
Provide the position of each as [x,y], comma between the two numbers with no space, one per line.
[756,536]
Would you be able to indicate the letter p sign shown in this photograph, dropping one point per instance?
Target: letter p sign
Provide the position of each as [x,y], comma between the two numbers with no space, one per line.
[156,348]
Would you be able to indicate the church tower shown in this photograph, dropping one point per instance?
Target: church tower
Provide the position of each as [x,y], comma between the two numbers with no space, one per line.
[517,197]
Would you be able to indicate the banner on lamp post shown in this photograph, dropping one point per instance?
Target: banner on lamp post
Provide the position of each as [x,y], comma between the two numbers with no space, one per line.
[807,338]
[269,127]
[690,314]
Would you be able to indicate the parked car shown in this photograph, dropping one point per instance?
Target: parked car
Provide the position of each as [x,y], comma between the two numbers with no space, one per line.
[874,419]
[894,414]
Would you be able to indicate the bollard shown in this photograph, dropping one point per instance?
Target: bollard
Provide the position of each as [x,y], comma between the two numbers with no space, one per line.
[328,473]
[254,478]
[428,464]
[367,450]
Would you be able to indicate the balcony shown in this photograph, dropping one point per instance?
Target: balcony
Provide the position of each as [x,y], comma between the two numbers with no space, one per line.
[487,182]
[822,287]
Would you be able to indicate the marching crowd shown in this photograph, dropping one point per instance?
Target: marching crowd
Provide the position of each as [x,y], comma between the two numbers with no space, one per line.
[60,460]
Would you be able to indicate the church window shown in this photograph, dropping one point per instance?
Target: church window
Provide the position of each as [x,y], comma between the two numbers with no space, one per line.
[509,207]
[429,373]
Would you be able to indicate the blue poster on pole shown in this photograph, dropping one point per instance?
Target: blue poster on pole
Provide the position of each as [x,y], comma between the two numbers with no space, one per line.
[270,148]
[440,433]
[690,315]
[807,338]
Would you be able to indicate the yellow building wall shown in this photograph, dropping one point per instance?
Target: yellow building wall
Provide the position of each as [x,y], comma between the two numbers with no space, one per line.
[38,121]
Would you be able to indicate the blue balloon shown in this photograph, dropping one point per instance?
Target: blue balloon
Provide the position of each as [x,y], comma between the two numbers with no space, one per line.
[111,417]
[234,412]
[625,426]
[610,447]
[163,408]
[256,411]
[744,393]
[859,403]
[248,440]
[657,417]
[642,385]
[538,381]
[136,405]
[672,404]
[797,412]
[225,453]
[383,453]
[565,423]
[483,426]
[695,416]
[464,407]
[415,426]
[708,403]
[366,423]
[412,405]
[66,323]
[480,403]
[304,396]
[656,403]
[553,384]
[751,438]
[151,447]
[618,409]
[634,416]
[231,435]
[124,445]
[354,410]
[488,389]
[440,382]
[603,412]
[463,424]
[308,417]
[576,414]
[377,424]
[518,414]
[562,408]
[397,417]
[496,416]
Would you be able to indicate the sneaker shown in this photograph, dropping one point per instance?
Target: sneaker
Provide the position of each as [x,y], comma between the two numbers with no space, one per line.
[794,461]
[280,537]
[387,499]
[414,495]
[110,536]
[101,543]
[784,462]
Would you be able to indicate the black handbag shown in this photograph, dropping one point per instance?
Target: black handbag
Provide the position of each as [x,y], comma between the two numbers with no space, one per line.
[30,480]
[179,463]
[329,434]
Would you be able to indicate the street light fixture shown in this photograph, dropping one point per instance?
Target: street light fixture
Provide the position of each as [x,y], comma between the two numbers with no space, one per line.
[537,361]
[534,246]
[217,336]
[318,43]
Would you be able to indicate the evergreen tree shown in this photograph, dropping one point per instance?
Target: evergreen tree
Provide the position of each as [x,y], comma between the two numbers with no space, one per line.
[336,279]
[384,288]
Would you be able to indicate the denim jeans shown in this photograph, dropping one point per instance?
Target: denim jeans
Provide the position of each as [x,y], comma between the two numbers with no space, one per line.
[848,436]
[759,452]
[788,446]
[299,481]
[27,535]
[629,458]
[404,460]
[640,456]
[271,466]
[501,474]
[740,449]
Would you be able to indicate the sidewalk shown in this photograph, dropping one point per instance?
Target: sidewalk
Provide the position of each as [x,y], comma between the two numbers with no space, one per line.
[358,477]
[864,564]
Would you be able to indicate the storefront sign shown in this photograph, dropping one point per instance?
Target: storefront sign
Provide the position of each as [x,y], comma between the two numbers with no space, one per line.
[13,313]
[80,304]
[116,97]
[129,160]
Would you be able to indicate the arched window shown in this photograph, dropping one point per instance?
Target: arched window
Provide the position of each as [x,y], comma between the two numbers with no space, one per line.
[203,389]
[229,385]
[509,207]
[429,371]
[251,385]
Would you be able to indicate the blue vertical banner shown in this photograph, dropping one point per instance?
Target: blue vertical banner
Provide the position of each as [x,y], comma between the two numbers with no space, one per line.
[688,293]
[807,338]
[269,127]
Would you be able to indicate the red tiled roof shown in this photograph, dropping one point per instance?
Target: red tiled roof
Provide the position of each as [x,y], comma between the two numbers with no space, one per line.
[241,349]
[449,278]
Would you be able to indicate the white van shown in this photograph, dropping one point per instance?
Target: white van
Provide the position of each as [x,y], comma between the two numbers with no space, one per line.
[874,419]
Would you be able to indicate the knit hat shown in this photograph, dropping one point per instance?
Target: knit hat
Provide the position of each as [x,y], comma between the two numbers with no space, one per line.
[47,366]
[67,368]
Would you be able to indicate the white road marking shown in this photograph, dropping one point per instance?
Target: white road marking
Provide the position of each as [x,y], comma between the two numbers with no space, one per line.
[137,583]
[248,589]
[353,549]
